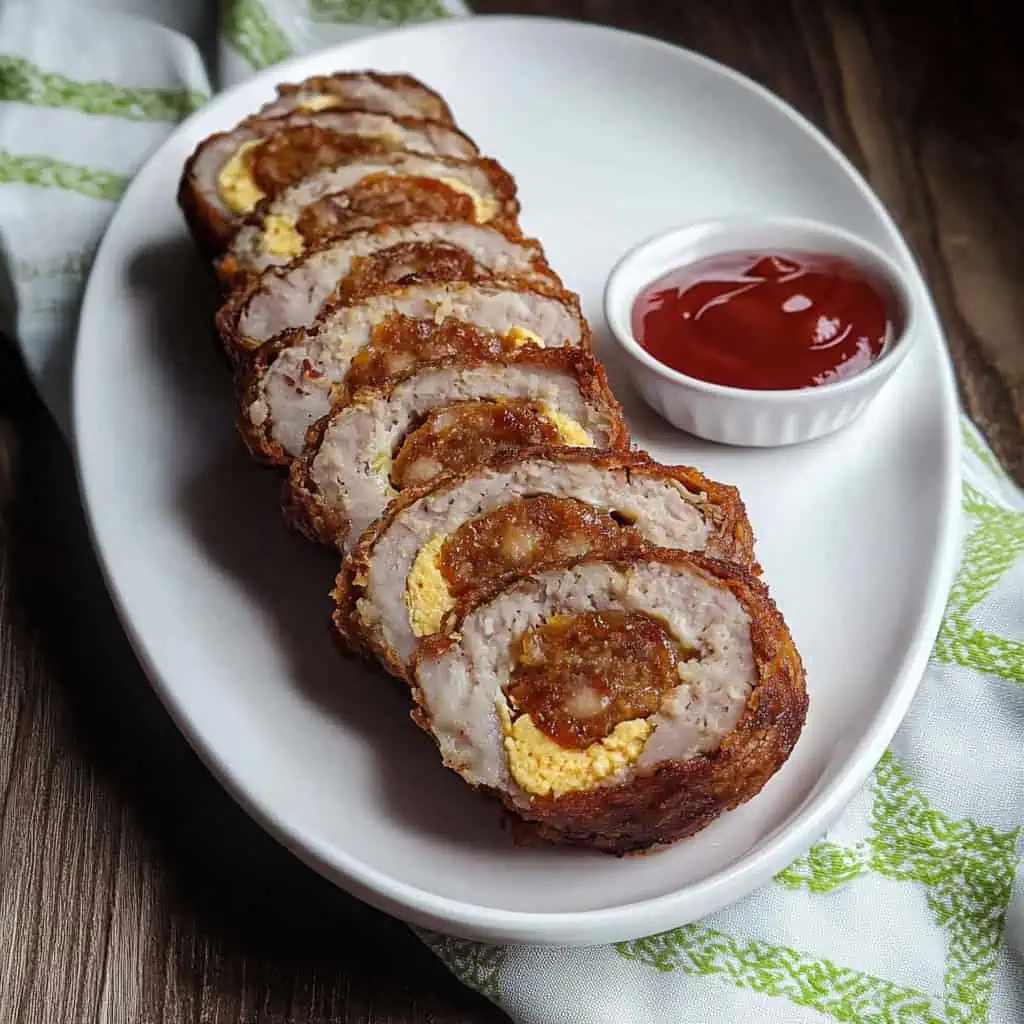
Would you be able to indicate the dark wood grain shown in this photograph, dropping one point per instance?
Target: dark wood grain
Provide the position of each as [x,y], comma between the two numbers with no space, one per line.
[131,887]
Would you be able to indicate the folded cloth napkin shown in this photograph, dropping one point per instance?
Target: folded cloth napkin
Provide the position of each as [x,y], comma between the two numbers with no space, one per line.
[910,909]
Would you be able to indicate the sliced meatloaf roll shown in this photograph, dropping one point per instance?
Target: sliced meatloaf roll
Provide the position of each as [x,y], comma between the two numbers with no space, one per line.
[288,384]
[229,173]
[358,264]
[619,703]
[516,514]
[370,202]
[272,234]
[397,95]
[437,420]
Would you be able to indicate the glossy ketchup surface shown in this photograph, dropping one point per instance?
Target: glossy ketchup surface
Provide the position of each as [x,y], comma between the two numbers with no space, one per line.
[768,321]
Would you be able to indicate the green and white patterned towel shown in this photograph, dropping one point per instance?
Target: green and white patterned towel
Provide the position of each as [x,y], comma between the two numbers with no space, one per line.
[910,910]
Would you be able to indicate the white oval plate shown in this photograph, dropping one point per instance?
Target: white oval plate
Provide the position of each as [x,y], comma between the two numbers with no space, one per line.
[612,137]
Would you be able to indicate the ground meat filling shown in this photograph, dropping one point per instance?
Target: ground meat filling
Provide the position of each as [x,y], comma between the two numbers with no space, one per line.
[400,343]
[382,199]
[292,154]
[525,535]
[456,436]
[579,676]
[407,263]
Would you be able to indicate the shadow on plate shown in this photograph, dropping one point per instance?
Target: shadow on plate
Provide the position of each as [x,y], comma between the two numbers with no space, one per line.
[232,505]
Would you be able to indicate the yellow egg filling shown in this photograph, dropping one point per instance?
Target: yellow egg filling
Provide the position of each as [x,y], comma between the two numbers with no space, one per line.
[571,432]
[520,336]
[542,767]
[315,103]
[484,207]
[427,595]
[235,182]
[280,237]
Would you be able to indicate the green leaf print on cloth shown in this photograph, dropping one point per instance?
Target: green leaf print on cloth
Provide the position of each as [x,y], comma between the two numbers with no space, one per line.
[780,971]
[250,29]
[992,547]
[967,869]
[22,81]
[475,964]
[377,12]
[980,452]
[44,172]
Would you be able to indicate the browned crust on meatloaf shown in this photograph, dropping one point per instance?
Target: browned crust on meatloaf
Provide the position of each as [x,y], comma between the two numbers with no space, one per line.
[734,536]
[506,284]
[675,799]
[234,273]
[251,366]
[210,231]
[306,511]
[231,312]
[210,228]
[248,375]
[208,224]
[325,85]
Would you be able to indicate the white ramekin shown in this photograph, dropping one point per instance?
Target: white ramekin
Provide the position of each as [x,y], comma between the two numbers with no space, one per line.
[740,416]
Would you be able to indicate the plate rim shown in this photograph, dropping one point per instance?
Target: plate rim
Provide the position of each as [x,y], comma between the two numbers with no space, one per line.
[638,918]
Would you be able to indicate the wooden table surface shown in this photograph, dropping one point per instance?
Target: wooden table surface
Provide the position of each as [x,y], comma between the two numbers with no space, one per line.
[131,887]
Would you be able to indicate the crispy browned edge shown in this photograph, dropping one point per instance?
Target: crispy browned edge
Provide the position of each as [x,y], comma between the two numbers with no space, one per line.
[677,798]
[733,536]
[235,274]
[322,84]
[230,313]
[209,227]
[249,371]
[305,509]
[210,230]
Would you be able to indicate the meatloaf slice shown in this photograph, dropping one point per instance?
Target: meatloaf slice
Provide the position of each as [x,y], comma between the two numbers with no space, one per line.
[397,95]
[513,515]
[615,704]
[292,296]
[287,385]
[437,420]
[274,233]
[230,172]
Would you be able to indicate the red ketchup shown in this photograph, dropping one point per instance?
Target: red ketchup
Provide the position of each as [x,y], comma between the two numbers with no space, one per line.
[777,321]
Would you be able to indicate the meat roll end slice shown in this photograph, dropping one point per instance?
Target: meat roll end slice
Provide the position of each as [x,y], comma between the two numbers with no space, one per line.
[230,173]
[395,94]
[289,383]
[519,514]
[616,704]
[284,227]
[438,420]
[364,262]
